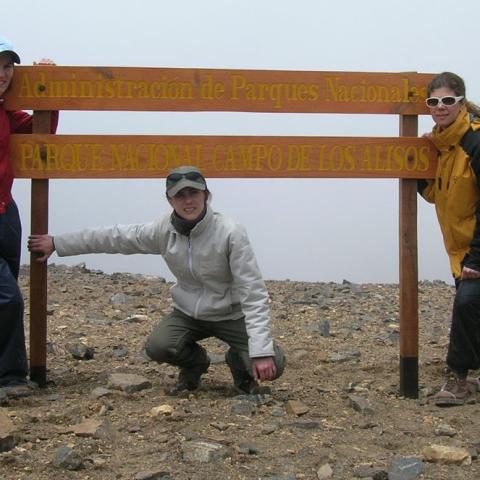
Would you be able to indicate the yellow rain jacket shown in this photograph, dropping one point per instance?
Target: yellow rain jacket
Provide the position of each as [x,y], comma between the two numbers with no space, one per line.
[455,190]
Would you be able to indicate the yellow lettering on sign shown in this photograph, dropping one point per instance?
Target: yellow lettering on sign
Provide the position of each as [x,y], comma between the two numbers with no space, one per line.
[366,93]
[164,89]
[277,93]
[255,157]
[298,158]
[212,90]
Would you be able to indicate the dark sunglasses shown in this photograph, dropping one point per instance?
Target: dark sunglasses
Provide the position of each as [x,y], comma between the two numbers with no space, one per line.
[176,177]
[448,101]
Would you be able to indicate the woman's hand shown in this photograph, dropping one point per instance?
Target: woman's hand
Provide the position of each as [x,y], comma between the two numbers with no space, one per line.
[45,61]
[264,368]
[428,135]
[42,244]
[468,273]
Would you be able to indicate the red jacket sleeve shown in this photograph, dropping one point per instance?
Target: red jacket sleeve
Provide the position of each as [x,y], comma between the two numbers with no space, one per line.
[22,122]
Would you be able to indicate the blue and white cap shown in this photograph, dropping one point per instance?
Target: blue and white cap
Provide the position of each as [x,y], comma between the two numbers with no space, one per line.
[6,46]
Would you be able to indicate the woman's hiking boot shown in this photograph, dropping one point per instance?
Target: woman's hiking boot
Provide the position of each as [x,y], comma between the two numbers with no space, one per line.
[455,391]
[190,378]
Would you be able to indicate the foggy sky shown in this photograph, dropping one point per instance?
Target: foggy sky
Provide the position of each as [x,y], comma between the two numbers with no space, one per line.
[301,229]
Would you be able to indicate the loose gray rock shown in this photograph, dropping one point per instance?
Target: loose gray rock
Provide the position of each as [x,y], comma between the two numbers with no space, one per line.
[407,468]
[153,475]
[205,451]
[100,392]
[128,382]
[360,404]
[66,458]
[120,299]
[444,430]
[242,407]
[120,351]
[370,472]
[341,358]
[81,352]
[216,359]
[136,318]
[306,424]
[247,448]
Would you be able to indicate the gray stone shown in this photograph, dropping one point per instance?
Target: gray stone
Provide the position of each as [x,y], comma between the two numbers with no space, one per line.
[325,330]
[153,475]
[100,392]
[444,430]
[216,359]
[370,472]
[325,472]
[81,352]
[137,318]
[242,407]
[204,451]
[473,453]
[277,412]
[120,299]
[340,358]
[247,448]
[67,458]
[256,399]
[104,321]
[406,468]
[306,424]
[3,398]
[269,428]
[128,382]
[120,351]
[360,404]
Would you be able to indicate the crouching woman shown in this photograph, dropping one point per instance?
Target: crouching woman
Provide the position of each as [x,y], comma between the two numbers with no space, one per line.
[219,290]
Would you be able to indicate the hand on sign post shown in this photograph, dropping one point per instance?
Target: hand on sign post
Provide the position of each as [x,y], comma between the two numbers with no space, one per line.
[41,244]
[264,368]
[45,61]
[428,135]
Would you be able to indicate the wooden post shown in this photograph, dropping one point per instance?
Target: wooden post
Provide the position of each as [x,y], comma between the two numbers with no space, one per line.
[38,271]
[408,274]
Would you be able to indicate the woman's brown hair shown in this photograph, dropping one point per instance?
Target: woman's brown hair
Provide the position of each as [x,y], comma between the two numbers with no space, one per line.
[453,82]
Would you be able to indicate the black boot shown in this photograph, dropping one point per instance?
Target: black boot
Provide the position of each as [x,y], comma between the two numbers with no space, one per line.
[190,378]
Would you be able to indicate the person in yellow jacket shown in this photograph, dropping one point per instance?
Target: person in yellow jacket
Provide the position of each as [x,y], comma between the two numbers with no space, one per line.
[455,191]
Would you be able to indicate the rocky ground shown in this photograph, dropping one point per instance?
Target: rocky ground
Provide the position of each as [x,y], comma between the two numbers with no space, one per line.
[336,412]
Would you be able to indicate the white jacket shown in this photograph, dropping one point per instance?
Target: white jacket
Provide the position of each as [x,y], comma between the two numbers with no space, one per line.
[216,271]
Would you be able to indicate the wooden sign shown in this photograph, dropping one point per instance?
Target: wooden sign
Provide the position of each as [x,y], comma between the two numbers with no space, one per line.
[139,156]
[192,89]
[41,156]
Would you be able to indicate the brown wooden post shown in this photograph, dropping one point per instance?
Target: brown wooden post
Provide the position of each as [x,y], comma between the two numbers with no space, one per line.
[408,274]
[38,271]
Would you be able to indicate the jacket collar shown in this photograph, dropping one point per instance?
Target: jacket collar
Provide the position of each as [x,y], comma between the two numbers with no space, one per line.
[200,226]
[203,223]
[445,139]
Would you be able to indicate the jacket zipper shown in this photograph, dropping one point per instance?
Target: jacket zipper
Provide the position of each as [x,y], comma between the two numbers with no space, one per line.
[190,267]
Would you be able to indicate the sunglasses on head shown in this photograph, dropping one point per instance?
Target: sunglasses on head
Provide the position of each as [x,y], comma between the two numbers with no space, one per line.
[176,177]
[447,101]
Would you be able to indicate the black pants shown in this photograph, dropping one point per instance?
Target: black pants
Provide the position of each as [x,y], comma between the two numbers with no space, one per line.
[464,347]
[13,356]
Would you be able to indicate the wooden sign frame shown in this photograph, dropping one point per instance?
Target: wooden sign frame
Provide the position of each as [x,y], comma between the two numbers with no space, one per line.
[42,156]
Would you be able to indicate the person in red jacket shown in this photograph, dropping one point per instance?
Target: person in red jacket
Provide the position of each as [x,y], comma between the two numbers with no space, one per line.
[13,357]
